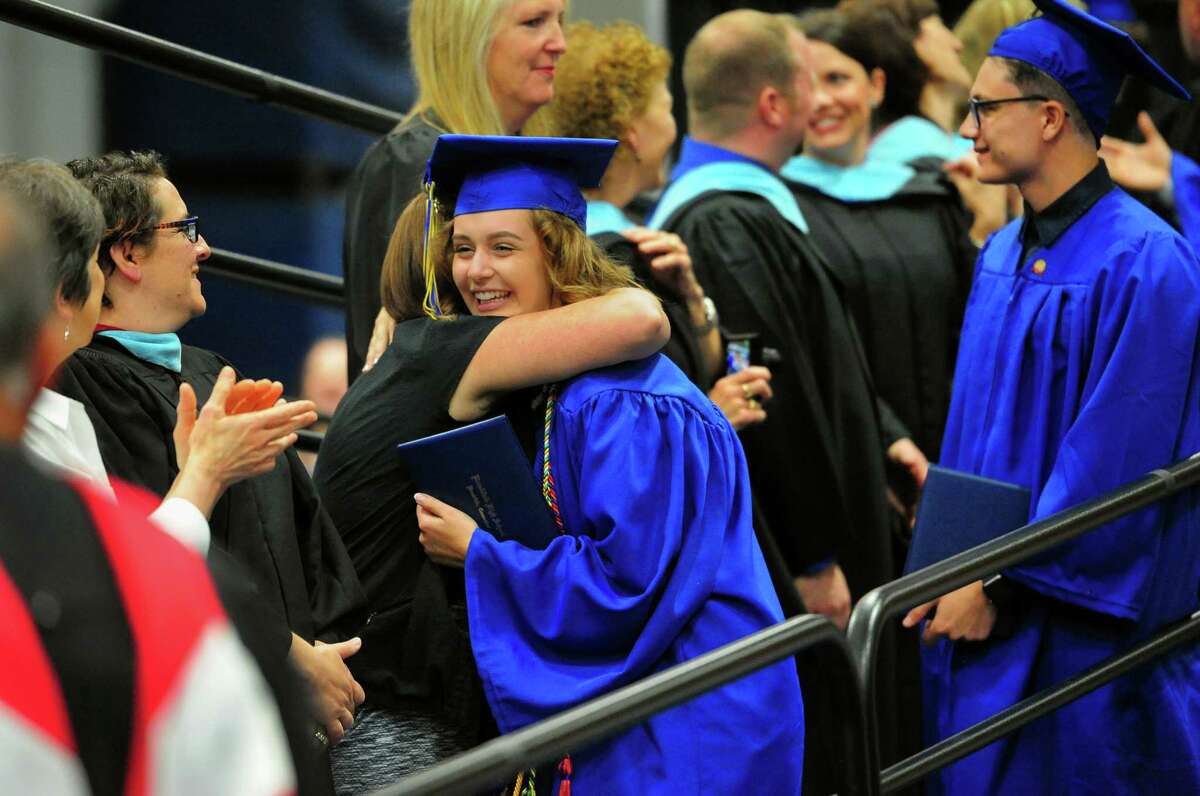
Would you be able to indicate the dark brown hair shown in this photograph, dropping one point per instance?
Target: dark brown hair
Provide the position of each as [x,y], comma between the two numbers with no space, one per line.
[909,14]
[876,41]
[123,183]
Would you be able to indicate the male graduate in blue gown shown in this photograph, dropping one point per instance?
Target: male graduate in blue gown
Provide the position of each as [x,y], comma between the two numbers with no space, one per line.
[1078,370]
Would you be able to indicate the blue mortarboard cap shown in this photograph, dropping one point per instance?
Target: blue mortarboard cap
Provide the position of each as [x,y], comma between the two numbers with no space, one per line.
[1113,10]
[1087,57]
[518,172]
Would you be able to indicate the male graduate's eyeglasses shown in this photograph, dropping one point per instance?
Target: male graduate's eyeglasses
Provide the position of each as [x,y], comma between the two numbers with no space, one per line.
[185,225]
[975,106]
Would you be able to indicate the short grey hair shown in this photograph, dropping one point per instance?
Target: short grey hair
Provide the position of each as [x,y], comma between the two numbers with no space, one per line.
[71,214]
[26,293]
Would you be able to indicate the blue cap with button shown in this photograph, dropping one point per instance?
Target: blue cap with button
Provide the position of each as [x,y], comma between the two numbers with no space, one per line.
[1087,57]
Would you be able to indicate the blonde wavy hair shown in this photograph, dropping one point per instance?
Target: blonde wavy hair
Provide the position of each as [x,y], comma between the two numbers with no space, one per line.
[448,44]
[578,269]
[605,81]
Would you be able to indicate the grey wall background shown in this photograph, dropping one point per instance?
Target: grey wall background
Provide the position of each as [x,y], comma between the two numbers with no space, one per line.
[50,92]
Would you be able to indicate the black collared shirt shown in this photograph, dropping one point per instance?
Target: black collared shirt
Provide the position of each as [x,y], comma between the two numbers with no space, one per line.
[1044,228]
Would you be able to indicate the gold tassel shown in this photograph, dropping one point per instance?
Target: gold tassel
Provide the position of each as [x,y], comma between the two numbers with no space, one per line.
[430,303]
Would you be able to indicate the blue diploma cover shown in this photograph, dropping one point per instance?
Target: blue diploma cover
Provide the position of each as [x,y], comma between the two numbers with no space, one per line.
[480,469]
[959,511]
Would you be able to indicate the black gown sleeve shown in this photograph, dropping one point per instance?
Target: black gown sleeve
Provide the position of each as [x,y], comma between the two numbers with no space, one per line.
[891,426]
[682,347]
[297,528]
[385,181]
[335,595]
[259,632]
[791,454]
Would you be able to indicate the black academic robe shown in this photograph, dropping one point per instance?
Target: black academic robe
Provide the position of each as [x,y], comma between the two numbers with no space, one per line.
[273,524]
[1180,121]
[683,348]
[384,182]
[817,463]
[906,265]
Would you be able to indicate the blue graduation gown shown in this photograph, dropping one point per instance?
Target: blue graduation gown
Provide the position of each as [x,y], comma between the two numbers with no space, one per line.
[659,565]
[1072,382]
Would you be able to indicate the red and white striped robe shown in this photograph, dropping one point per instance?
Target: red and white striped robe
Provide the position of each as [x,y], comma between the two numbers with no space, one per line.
[203,718]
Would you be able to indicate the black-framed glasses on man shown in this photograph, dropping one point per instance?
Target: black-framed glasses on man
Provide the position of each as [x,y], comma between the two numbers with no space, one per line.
[974,105]
[188,226]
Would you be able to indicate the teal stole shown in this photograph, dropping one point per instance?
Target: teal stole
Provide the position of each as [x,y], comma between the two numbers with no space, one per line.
[728,176]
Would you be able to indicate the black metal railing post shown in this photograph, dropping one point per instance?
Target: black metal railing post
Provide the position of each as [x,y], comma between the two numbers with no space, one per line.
[496,761]
[885,602]
[959,745]
[196,66]
[300,282]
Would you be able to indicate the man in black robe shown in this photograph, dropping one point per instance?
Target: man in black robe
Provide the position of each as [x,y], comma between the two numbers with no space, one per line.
[128,379]
[817,462]
[817,465]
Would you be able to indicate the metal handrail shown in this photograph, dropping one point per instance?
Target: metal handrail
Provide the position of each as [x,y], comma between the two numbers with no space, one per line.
[301,282]
[961,744]
[197,66]
[220,73]
[885,602]
[496,761]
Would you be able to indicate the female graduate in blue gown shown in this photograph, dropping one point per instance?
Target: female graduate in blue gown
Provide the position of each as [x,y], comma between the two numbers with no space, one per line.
[657,562]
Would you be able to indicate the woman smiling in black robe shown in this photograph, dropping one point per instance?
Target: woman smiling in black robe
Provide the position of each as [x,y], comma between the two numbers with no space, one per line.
[897,239]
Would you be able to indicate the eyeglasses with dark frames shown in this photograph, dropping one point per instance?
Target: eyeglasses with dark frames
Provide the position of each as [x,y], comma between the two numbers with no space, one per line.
[974,105]
[188,226]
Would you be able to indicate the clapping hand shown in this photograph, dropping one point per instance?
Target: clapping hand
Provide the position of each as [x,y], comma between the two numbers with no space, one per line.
[250,396]
[241,429]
